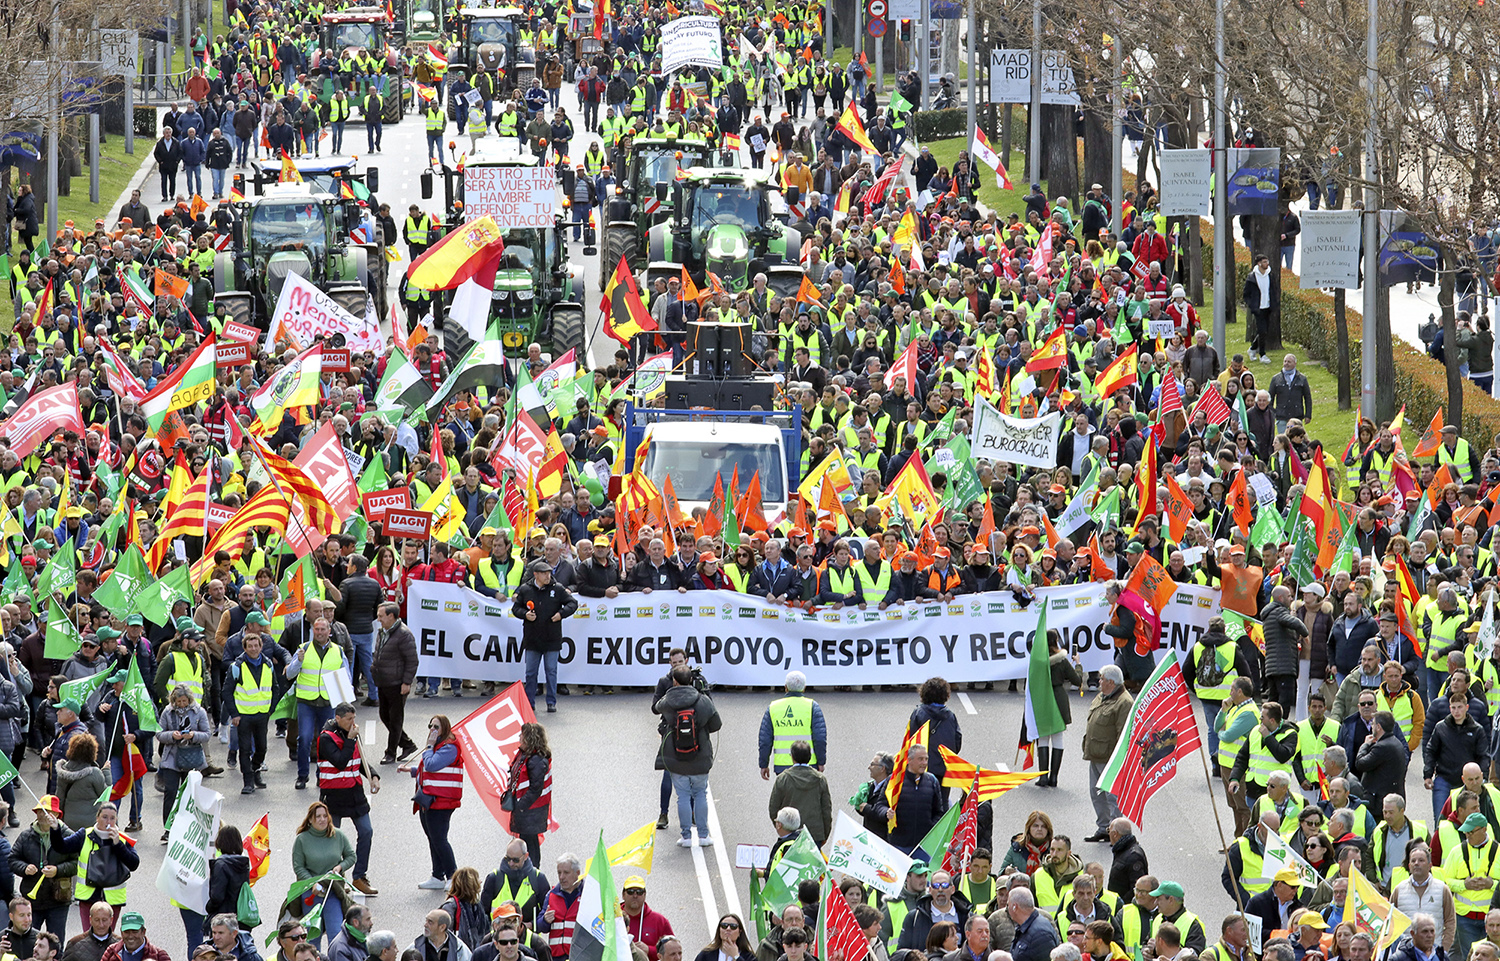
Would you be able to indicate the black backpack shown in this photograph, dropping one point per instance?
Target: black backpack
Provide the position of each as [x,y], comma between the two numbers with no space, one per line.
[684,733]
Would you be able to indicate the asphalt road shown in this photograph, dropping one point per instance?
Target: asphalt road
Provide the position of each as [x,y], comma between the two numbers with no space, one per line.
[604,746]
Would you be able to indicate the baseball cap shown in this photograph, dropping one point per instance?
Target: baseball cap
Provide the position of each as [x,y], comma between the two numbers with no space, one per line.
[1290,876]
[70,705]
[185,624]
[132,921]
[106,633]
[634,881]
[1168,889]
[601,541]
[1473,822]
[256,617]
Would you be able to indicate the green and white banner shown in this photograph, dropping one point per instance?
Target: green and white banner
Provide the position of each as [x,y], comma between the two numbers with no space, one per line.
[743,639]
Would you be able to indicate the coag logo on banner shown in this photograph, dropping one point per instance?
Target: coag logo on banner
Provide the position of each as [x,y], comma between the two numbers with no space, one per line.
[831,617]
[583,613]
[894,614]
[1205,602]
[706,610]
[453,607]
[770,614]
[956,610]
[1081,602]
[643,611]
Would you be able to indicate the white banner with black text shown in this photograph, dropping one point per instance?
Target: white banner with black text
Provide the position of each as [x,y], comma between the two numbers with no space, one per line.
[743,639]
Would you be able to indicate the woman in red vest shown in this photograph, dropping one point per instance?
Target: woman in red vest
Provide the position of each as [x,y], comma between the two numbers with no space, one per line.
[529,791]
[440,790]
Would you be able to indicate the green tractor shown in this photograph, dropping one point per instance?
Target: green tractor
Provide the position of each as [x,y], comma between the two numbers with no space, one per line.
[490,40]
[643,197]
[358,32]
[293,229]
[725,221]
[537,295]
[423,21]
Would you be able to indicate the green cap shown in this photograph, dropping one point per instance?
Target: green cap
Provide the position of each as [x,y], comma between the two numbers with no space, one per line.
[118,677]
[132,921]
[76,708]
[135,619]
[1474,822]
[1168,889]
[917,867]
[256,617]
[106,633]
[185,624]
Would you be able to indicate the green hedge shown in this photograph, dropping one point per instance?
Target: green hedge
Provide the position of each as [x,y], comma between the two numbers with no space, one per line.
[940,124]
[1421,382]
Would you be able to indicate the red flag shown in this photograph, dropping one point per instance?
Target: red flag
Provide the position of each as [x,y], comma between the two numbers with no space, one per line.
[1171,398]
[133,771]
[487,743]
[1161,732]
[965,834]
[841,933]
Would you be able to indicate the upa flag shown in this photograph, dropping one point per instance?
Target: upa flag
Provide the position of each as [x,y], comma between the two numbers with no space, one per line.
[599,933]
[1041,717]
[1279,856]
[980,148]
[635,849]
[1161,731]
[800,861]
[854,128]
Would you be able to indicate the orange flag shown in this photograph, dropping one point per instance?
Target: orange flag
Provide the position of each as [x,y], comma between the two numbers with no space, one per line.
[1239,502]
[828,501]
[689,289]
[986,526]
[713,521]
[1151,581]
[897,276]
[1441,479]
[748,510]
[1432,437]
[1052,537]
[808,294]
[1178,508]
[169,285]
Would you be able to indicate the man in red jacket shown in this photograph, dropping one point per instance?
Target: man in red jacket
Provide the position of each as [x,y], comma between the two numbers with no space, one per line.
[1150,247]
[646,926]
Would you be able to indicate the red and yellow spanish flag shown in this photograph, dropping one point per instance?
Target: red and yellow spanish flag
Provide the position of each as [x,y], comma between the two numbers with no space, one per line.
[1121,372]
[1052,354]
[854,128]
[457,257]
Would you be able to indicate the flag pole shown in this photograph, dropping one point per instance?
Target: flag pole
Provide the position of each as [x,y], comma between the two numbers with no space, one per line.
[1203,756]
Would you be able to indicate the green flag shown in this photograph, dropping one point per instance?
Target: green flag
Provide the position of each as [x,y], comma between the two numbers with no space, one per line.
[82,688]
[137,696]
[1042,717]
[498,519]
[1267,528]
[955,459]
[1344,559]
[60,576]
[800,861]
[286,708]
[599,934]
[8,772]
[373,477]
[15,580]
[1106,513]
[129,581]
[1237,625]
[899,103]
[935,842]
[1304,550]
[731,532]
[155,603]
[63,639]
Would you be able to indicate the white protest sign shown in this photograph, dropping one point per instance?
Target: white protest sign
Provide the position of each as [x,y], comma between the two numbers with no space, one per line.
[303,312]
[1016,440]
[1010,77]
[195,823]
[690,42]
[1164,327]
[854,851]
[513,196]
[1265,491]
[1330,249]
[1184,182]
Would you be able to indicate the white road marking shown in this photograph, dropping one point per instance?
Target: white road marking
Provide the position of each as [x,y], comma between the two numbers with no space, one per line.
[721,855]
[706,887]
[963,698]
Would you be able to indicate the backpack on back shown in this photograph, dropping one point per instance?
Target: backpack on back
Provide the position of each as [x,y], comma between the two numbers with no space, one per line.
[684,733]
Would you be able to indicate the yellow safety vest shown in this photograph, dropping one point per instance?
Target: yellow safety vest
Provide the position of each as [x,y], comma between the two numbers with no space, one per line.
[1229,750]
[1216,692]
[1401,707]
[253,698]
[876,586]
[791,720]
[1262,761]
[1458,461]
[1469,864]
[1252,867]
[1132,925]
[83,890]
[189,673]
[314,666]
[1310,742]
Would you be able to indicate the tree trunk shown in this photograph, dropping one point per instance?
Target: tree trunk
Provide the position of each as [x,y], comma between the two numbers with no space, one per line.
[1341,367]
[1098,149]
[1385,359]
[1007,117]
[1060,153]
[1455,412]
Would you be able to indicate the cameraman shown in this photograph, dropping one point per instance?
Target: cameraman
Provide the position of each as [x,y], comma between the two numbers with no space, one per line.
[676,658]
[1475,337]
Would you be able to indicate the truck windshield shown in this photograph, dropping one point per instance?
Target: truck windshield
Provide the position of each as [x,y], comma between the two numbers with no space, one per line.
[521,247]
[693,465]
[492,31]
[283,226]
[346,35]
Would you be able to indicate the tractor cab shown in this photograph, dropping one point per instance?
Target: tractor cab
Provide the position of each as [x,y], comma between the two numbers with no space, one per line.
[728,222]
[495,40]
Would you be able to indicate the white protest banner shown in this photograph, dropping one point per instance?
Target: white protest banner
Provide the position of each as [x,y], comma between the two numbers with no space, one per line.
[1330,249]
[1017,440]
[303,312]
[513,196]
[859,854]
[690,42]
[744,639]
[1184,182]
[1010,78]
[195,823]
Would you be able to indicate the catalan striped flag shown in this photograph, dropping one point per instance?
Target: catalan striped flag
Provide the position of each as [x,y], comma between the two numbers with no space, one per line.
[293,480]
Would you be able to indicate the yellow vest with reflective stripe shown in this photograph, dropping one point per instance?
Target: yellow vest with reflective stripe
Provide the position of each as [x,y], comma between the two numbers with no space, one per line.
[416,232]
[737,578]
[189,673]
[1458,461]
[1252,867]
[1049,896]
[1310,743]
[842,583]
[1131,927]
[314,666]
[1229,750]
[1400,707]
[791,720]
[1262,761]
[491,577]
[1469,862]
[1444,629]
[1217,692]
[876,585]
[114,897]
[253,696]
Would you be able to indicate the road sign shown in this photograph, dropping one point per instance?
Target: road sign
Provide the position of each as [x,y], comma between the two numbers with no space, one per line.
[117,52]
[876,9]
[876,28]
